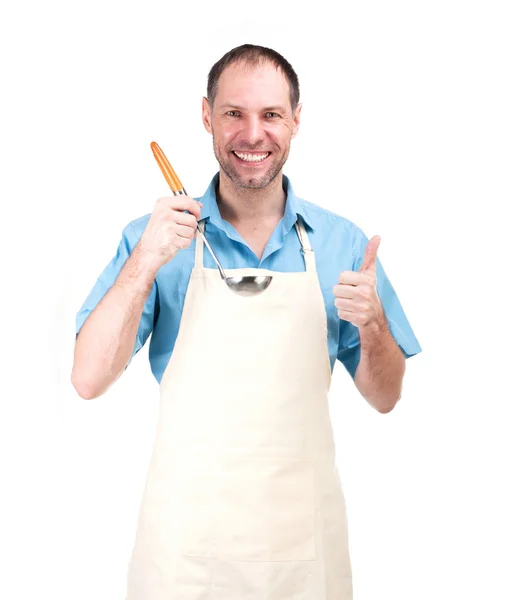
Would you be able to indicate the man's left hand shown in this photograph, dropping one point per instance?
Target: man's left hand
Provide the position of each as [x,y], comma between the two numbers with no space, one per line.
[356,295]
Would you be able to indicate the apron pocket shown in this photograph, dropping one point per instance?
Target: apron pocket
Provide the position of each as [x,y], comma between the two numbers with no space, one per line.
[254,508]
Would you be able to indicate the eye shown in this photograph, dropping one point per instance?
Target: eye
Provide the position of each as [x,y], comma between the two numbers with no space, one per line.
[273,114]
[230,113]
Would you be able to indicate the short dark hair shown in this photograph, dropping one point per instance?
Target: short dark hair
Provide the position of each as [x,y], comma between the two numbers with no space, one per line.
[253,55]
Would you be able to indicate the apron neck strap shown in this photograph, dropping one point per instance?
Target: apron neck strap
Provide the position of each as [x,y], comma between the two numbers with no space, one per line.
[199,248]
[306,248]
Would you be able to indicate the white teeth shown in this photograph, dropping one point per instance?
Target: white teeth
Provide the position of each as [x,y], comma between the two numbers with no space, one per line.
[251,157]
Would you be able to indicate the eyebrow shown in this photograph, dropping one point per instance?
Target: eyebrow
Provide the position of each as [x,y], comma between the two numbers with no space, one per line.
[266,109]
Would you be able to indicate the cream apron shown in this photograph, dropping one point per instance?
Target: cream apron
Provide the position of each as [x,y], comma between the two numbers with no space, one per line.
[243,500]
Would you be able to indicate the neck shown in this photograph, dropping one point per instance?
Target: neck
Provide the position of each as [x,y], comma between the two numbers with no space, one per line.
[248,205]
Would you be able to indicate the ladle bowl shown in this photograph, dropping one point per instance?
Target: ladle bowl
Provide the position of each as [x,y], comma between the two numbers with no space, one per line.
[248,285]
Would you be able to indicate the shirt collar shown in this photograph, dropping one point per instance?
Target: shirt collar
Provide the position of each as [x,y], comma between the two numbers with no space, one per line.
[293,206]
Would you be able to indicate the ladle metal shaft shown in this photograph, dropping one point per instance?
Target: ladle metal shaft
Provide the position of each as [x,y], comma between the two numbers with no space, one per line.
[202,233]
[178,189]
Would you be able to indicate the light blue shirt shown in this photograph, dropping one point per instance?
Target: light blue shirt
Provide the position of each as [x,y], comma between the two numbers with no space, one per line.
[339,245]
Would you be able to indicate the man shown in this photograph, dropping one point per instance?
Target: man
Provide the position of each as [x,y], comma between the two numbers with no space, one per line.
[242,498]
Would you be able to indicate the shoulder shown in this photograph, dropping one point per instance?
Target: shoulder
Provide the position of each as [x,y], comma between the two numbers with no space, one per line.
[328,223]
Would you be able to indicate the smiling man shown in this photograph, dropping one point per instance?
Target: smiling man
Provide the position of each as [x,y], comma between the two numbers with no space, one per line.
[243,498]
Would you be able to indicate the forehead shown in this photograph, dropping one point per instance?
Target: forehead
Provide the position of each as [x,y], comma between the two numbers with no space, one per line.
[253,85]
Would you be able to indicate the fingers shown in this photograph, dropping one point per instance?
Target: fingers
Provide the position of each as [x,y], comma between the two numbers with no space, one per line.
[354,286]
[343,291]
[183,231]
[181,203]
[345,304]
[182,218]
[354,278]
[369,259]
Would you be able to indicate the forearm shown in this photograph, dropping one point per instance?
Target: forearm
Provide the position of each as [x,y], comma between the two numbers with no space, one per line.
[107,338]
[382,365]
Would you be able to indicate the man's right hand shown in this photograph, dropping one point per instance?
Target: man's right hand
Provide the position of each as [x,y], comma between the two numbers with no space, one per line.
[169,229]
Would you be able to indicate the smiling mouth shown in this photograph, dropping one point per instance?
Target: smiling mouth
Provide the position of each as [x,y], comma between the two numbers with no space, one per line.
[251,157]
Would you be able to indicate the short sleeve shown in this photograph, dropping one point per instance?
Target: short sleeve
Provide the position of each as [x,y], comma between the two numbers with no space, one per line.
[107,279]
[400,328]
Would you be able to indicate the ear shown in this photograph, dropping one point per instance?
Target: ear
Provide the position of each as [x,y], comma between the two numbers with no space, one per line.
[206,115]
[296,121]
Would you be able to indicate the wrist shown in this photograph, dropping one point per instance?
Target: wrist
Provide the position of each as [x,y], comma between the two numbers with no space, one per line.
[143,266]
[377,326]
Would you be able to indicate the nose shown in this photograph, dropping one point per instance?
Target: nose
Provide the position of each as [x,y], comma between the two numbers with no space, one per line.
[254,130]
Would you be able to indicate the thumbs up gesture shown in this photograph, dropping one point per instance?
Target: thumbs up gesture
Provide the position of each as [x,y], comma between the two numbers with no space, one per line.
[355,293]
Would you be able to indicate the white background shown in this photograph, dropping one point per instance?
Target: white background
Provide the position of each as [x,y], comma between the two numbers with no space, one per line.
[405,131]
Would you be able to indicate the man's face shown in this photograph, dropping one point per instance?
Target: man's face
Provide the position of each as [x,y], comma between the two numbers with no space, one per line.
[251,123]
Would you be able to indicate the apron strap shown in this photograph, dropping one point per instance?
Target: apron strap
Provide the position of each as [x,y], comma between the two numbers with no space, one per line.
[199,248]
[306,247]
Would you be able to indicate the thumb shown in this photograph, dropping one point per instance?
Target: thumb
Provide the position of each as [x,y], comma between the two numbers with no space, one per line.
[369,260]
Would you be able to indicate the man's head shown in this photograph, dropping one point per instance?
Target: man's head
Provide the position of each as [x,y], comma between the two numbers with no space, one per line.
[252,112]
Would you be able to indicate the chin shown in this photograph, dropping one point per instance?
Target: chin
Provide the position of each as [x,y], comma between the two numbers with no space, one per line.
[259,182]
[253,184]
[247,181]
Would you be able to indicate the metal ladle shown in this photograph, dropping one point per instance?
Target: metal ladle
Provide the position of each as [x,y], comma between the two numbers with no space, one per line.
[248,285]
